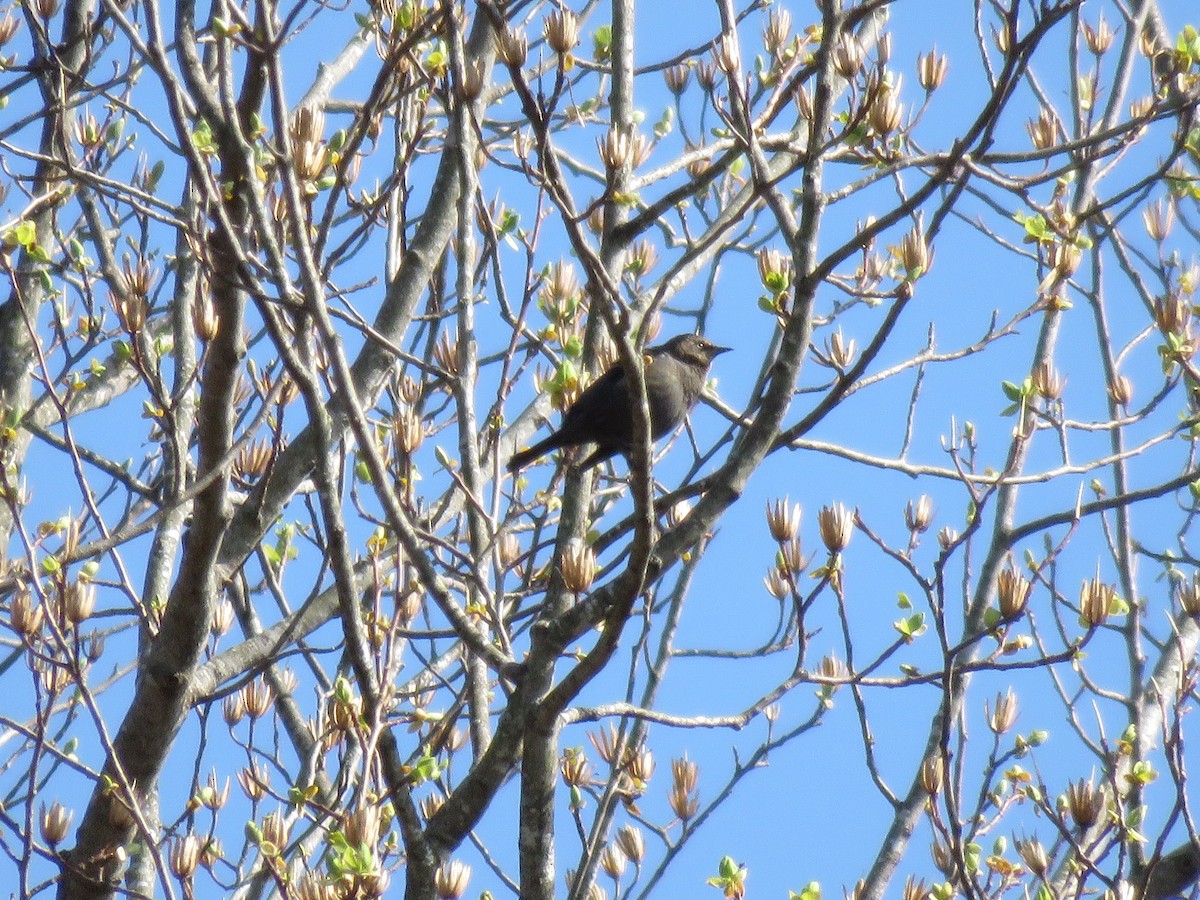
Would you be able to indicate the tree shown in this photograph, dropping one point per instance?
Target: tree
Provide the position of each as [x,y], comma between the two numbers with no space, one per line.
[265,354]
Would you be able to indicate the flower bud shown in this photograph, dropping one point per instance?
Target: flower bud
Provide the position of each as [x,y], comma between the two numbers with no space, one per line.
[933,770]
[632,844]
[450,882]
[1003,715]
[612,861]
[24,616]
[623,147]
[445,353]
[605,741]
[1047,381]
[222,618]
[409,429]
[775,270]
[54,823]
[1095,601]
[1098,38]
[233,709]
[9,26]
[205,320]
[804,104]
[942,857]
[836,524]
[848,56]
[512,47]
[430,805]
[683,797]
[257,697]
[791,557]
[677,78]
[886,113]
[473,81]
[931,70]
[575,768]
[1033,854]
[212,796]
[1085,802]
[80,602]
[777,31]
[1012,590]
[362,826]
[275,829]
[840,351]
[185,856]
[640,765]
[783,520]
[1121,390]
[777,584]
[642,257]
[508,550]
[1172,315]
[561,30]
[1159,218]
[1189,595]
[725,55]
[578,567]
[919,515]
[1043,131]
[913,254]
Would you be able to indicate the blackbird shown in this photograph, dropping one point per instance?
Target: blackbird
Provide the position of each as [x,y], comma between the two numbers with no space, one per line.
[603,413]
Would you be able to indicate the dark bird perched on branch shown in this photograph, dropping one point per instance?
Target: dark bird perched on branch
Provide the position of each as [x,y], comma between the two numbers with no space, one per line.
[603,414]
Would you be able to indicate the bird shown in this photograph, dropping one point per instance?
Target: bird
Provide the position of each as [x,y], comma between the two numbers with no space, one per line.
[675,373]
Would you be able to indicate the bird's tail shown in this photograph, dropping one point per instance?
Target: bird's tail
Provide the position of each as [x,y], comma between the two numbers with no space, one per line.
[529,454]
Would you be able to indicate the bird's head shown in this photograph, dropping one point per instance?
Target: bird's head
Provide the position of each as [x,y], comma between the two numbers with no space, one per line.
[693,349]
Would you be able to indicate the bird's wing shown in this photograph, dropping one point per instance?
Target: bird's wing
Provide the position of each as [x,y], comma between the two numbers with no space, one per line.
[601,408]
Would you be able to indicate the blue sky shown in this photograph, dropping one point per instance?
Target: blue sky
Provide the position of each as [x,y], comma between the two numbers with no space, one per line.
[811,813]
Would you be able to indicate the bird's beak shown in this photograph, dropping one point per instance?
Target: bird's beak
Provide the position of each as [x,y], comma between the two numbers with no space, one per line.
[717,351]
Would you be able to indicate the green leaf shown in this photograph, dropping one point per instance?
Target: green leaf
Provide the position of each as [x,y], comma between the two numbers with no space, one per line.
[1142,773]
[426,769]
[664,125]
[602,43]
[24,234]
[1012,391]
[971,857]
[911,627]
